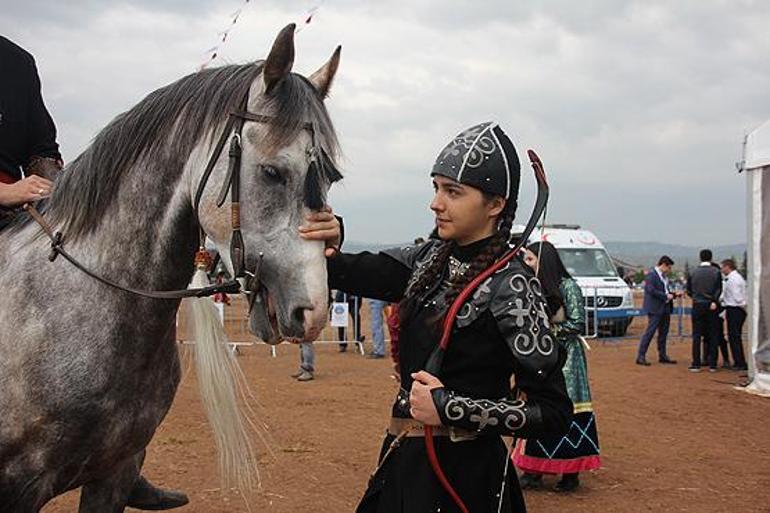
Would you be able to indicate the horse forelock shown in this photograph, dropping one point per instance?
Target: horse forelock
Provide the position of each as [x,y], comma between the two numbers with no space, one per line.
[158,135]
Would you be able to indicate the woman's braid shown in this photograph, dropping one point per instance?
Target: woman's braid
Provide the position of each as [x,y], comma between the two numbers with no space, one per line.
[435,271]
[496,247]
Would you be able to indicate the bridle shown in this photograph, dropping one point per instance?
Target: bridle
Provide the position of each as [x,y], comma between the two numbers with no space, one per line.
[247,281]
[232,182]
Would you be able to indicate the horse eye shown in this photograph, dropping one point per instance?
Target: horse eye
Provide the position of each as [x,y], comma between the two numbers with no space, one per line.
[272,174]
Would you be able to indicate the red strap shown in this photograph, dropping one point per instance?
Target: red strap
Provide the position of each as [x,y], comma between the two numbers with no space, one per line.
[430,447]
[6,178]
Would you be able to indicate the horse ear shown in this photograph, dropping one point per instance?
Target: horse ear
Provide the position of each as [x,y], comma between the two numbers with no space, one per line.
[278,64]
[322,79]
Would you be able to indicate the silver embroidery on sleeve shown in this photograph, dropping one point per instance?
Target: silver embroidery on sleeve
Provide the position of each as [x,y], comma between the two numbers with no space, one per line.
[483,413]
[529,315]
[465,311]
[483,289]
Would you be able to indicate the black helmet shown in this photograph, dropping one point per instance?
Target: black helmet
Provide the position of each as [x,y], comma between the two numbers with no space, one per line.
[484,157]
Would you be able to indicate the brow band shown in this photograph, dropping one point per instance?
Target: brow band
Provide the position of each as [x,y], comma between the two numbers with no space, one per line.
[251,116]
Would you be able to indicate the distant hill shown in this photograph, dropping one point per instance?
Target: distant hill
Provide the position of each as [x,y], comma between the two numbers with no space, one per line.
[647,253]
[642,254]
[355,246]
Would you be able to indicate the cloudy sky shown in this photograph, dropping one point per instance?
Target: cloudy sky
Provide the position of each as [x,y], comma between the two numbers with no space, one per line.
[638,108]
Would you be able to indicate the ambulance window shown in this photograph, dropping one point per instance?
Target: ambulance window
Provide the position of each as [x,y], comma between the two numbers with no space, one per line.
[587,262]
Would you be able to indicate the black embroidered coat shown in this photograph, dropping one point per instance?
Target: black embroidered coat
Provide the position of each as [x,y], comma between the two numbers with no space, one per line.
[26,128]
[502,331]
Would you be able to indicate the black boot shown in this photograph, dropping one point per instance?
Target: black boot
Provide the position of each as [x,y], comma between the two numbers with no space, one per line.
[148,497]
[529,481]
[568,483]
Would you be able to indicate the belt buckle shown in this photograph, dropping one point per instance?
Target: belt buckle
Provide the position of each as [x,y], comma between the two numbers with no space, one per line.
[461,435]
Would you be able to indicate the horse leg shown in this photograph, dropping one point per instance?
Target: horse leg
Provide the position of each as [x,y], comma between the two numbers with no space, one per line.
[109,495]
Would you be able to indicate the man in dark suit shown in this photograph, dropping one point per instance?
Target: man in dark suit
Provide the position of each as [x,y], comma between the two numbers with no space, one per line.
[658,303]
[704,286]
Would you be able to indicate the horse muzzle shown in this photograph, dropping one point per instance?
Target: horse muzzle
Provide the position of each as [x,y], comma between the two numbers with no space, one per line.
[275,321]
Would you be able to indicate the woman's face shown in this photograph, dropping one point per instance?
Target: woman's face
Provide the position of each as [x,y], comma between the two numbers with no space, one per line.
[462,213]
[530,259]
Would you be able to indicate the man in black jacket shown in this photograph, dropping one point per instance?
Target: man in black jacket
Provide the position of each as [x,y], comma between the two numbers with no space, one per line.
[704,286]
[29,162]
[27,133]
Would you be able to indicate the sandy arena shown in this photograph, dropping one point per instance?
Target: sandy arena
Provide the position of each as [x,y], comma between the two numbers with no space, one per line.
[671,441]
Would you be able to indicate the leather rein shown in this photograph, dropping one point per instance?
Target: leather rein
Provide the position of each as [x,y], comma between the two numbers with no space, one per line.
[251,279]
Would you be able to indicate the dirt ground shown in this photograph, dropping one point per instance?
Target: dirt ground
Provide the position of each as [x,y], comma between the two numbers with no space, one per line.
[671,441]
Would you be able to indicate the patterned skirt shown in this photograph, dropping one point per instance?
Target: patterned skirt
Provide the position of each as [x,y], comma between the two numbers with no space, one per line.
[578,450]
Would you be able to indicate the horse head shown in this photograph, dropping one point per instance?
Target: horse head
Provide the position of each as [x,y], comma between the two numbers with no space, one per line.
[286,169]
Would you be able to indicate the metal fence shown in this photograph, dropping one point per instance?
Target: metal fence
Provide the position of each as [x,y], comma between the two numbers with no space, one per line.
[595,314]
[599,307]
[354,314]
[598,320]
[235,318]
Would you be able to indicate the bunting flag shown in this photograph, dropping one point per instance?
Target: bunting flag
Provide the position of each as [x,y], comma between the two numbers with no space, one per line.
[212,53]
[308,17]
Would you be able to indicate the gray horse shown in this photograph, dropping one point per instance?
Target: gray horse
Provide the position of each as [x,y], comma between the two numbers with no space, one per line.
[87,372]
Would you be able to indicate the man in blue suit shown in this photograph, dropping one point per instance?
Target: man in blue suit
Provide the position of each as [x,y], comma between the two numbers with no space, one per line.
[658,303]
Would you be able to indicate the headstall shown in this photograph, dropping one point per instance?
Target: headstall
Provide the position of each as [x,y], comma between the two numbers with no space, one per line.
[232,130]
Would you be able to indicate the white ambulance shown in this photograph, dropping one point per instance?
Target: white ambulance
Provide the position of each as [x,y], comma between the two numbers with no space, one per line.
[591,266]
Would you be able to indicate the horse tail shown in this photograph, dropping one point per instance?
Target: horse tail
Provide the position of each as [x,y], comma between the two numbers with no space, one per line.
[220,380]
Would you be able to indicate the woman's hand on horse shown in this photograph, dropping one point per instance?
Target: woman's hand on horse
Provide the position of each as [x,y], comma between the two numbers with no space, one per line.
[322,225]
[423,408]
[31,188]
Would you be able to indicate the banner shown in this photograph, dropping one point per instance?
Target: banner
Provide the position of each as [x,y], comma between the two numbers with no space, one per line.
[212,53]
[339,315]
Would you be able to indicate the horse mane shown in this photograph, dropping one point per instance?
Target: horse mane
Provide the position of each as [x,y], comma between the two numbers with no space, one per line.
[159,133]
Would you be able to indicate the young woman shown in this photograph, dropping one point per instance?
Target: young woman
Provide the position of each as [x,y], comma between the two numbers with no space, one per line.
[502,331]
[578,450]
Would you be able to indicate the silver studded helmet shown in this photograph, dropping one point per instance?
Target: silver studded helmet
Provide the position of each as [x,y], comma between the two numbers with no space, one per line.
[482,156]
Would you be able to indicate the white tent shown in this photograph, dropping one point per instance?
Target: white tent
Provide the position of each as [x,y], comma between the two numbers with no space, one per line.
[756,165]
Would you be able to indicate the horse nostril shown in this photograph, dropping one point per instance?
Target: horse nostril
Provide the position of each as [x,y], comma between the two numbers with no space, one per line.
[298,315]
